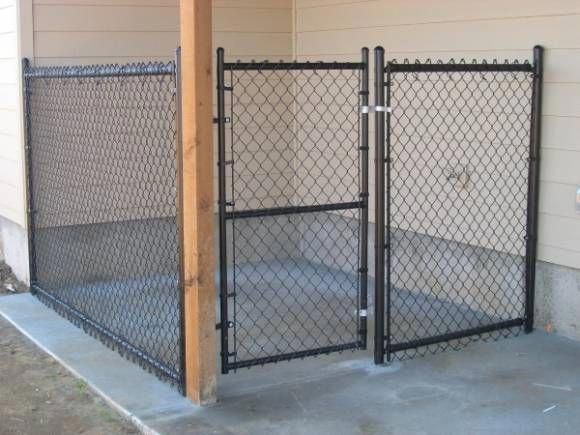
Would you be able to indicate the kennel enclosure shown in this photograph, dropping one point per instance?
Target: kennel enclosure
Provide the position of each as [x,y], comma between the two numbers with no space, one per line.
[452,207]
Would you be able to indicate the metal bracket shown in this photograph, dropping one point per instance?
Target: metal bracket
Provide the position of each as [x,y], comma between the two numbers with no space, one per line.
[226,120]
[362,313]
[373,109]
[229,325]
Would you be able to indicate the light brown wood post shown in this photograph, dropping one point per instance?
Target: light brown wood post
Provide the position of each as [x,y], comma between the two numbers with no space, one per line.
[197,201]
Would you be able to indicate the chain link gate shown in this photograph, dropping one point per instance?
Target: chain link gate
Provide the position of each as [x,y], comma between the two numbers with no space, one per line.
[293,209]
[457,188]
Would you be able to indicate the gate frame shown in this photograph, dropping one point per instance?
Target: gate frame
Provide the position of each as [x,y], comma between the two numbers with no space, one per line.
[383,202]
[225,324]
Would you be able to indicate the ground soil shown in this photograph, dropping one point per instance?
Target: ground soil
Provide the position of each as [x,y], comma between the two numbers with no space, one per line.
[8,282]
[38,396]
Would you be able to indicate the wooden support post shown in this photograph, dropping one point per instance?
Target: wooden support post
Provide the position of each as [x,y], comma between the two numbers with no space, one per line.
[197,201]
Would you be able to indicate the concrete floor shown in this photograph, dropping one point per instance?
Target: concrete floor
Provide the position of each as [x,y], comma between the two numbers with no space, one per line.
[297,305]
[529,384]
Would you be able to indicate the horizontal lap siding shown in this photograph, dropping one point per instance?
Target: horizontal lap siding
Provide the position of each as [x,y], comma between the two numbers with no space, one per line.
[336,29]
[119,31]
[97,31]
[11,160]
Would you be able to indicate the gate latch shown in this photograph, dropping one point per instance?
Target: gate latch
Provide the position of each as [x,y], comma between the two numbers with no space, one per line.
[374,109]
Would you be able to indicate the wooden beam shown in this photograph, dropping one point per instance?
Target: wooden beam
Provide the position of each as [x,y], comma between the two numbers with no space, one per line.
[197,201]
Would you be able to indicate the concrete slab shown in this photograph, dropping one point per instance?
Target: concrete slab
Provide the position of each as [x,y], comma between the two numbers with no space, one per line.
[529,384]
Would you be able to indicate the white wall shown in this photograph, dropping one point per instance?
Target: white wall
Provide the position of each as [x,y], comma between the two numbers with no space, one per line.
[337,29]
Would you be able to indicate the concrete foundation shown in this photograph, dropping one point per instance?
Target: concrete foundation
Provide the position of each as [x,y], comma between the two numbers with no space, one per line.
[14,248]
[558,299]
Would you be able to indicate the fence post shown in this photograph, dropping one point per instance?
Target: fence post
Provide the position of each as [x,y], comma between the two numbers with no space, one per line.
[197,206]
[379,206]
[533,187]
[29,177]
[364,151]
[223,278]
[180,233]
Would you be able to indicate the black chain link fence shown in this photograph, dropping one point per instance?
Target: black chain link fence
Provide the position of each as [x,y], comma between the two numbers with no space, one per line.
[460,190]
[458,147]
[293,197]
[103,198]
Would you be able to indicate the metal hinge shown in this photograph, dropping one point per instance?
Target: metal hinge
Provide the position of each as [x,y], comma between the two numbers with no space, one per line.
[373,109]
[227,120]
[229,324]
[362,313]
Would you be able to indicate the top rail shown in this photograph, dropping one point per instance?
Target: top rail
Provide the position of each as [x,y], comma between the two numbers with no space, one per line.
[459,67]
[111,70]
[285,66]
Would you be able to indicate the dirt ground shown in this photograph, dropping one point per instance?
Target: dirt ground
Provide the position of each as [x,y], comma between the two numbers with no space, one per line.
[8,282]
[38,396]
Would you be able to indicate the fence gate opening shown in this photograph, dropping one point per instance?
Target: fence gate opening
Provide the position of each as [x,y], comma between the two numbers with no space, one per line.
[293,209]
[456,202]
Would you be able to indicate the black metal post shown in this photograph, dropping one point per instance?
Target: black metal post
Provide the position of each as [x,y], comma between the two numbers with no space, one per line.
[364,156]
[534,187]
[387,222]
[180,223]
[379,206]
[29,178]
[221,122]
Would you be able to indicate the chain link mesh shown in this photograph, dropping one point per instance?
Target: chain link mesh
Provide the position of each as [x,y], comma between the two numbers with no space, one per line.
[294,203]
[459,148]
[103,192]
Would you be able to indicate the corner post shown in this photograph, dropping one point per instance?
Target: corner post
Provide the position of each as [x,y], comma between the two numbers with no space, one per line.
[534,186]
[30,209]
[379,206]
[197,204]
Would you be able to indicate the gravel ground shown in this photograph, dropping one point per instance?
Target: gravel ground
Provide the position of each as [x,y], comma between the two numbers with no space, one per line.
[38,396]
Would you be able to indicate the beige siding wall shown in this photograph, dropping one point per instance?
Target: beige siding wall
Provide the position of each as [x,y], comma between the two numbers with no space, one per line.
[11,150]
[336,29]
[97,31]
[107,31]
[118,31]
